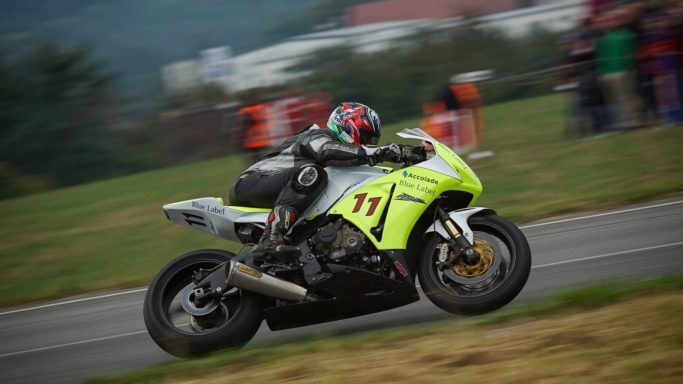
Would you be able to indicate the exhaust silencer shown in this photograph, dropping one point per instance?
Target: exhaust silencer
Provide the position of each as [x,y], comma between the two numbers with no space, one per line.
[242,276]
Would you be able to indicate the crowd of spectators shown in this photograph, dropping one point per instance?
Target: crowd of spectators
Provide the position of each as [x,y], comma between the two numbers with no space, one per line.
[626,61]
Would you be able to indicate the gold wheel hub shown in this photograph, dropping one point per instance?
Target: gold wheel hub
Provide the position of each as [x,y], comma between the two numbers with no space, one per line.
[486,255]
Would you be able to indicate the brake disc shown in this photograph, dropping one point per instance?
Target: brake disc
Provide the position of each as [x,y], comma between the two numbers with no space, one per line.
[487,266]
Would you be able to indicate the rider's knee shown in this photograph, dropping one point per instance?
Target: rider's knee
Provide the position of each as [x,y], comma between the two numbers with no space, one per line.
[309,178]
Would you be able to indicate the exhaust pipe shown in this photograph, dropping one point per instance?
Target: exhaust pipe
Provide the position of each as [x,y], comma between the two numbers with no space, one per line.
[242,276]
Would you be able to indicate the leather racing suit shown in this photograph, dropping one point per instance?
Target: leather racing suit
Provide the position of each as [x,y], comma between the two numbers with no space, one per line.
[292,176]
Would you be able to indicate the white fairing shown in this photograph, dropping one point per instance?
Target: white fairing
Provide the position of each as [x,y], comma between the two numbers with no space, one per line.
[460,217]
[416,133]
[208,214]
[436,163]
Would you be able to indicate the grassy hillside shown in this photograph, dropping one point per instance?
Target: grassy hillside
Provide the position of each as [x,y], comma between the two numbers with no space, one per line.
[569,341]
[113,234]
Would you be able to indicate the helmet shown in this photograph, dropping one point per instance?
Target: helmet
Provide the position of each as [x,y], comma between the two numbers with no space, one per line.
[355,123]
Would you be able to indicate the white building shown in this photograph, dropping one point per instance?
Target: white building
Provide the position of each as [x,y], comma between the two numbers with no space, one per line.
[557,16]
[181,76]
[271,65]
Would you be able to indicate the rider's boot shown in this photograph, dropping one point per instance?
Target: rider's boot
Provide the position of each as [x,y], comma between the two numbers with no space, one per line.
[273,241]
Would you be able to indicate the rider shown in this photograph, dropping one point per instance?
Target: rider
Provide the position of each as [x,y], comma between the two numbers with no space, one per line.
[292,175]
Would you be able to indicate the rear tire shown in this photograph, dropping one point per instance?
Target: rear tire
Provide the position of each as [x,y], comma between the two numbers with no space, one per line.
[231,325]
[507,275]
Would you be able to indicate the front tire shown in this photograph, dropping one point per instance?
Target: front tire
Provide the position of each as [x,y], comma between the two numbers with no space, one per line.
[497,279]
[232,323]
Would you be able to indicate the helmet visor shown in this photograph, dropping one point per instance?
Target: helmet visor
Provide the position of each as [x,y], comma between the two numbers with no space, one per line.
[368,139]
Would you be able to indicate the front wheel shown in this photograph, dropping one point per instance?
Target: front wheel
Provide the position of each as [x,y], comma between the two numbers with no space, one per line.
[496,279]
[229,321]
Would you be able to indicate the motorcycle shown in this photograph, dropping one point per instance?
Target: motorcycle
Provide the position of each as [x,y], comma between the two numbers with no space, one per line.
[362,244]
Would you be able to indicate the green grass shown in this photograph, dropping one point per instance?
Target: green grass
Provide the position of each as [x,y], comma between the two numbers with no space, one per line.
[267,363]
[581,298]
[113,234]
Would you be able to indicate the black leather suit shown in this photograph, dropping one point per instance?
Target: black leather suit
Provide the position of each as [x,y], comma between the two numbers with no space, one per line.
[292,174]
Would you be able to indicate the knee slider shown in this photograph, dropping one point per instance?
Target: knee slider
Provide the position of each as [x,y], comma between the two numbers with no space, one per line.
[309,178]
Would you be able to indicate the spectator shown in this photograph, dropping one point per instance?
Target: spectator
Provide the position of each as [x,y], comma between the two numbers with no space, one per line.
[648,44]
[256,129]
[589,105]
[667,63]
[615,54]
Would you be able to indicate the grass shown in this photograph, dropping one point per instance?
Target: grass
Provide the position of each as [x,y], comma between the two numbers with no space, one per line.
[586,298]
[633,334]
[112,234]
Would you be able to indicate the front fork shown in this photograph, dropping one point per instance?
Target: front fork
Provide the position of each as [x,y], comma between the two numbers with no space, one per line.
[457,241]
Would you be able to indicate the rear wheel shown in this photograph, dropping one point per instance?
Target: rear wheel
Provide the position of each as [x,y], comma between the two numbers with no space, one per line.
[229,321]
[492,282]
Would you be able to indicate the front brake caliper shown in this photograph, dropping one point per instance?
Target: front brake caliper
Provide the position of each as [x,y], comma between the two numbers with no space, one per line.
[457,241]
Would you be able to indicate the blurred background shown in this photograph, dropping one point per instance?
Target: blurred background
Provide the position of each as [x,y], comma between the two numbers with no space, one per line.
[110,109]
[102,88]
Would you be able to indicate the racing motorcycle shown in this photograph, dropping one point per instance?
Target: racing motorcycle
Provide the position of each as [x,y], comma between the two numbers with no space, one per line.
[361,246]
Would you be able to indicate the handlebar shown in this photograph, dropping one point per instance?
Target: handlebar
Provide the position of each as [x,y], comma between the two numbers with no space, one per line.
[412,154]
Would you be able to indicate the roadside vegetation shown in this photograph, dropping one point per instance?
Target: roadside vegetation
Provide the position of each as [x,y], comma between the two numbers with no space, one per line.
[112,234]
[69,118]
[615,333]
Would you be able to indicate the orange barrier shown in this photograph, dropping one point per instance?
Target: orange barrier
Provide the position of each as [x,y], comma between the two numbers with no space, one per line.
[255,121]
[461,129]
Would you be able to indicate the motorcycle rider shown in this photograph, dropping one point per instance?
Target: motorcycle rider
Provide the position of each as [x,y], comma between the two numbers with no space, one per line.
[292,176]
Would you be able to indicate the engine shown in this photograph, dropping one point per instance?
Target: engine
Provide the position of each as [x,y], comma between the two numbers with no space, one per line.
[338,240]
[341,243]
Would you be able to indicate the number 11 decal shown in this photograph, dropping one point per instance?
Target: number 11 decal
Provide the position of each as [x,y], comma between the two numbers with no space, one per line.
[360,199]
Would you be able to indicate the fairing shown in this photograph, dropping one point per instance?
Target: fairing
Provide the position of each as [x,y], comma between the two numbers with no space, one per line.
[208,214]
[461,218]
[387,208]
[384,205]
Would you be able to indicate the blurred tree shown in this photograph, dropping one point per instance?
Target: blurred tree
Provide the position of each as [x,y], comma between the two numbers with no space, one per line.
[12,182]
[324,58]
[56,105]
[205,96]
[397,81]
[135,38]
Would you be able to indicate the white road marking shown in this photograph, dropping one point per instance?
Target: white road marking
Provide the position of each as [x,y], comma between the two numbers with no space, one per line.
[606,255]
[141,332]
[74,301]
[522,227]
[73,343]
[601,214]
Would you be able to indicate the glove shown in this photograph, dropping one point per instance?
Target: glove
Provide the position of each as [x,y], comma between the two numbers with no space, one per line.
[390,152]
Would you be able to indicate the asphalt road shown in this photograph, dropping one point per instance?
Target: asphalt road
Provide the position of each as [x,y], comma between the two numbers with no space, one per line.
[70,340]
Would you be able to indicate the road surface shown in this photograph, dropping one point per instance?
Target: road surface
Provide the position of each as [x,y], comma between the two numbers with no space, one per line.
[73,339]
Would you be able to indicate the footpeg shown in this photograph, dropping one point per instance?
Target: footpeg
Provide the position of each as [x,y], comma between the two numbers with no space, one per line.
[284,253]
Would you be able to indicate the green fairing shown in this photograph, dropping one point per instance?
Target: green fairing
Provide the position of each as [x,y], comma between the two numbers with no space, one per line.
[249,209]
[415,188]
[469,178]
